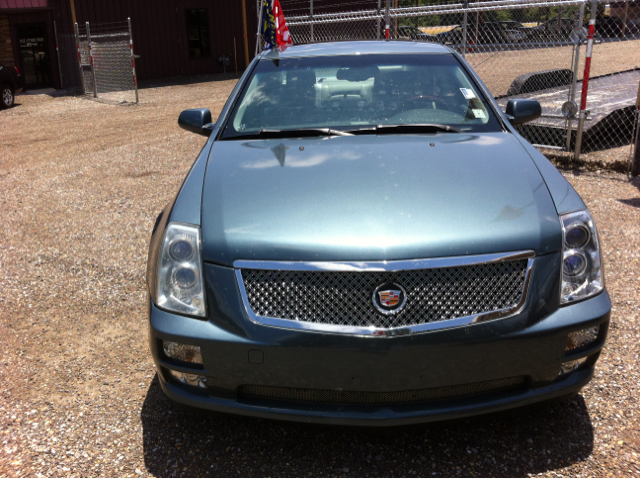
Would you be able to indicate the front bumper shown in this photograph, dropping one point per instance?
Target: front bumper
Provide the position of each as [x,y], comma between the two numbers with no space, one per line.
[350,415]
[237,352]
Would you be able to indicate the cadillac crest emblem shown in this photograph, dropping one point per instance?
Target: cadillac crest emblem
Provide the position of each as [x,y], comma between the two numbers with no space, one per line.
[389,298]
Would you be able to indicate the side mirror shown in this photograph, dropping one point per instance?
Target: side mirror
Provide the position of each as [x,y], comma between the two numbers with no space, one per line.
[523,111]
[197,121]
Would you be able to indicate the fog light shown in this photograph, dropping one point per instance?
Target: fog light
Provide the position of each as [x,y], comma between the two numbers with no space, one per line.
[182,352]
[584,337]
[190,379]
[571,365]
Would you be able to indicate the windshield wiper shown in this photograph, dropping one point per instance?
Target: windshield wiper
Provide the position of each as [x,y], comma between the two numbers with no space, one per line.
[409,128]
[293,133]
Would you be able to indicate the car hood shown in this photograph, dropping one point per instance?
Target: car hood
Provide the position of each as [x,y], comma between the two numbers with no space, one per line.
[378,198]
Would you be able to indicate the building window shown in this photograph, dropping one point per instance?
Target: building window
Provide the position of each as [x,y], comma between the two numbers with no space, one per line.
[198,34]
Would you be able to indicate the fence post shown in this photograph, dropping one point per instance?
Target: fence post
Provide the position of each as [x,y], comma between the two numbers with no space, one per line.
[476,40]
[585,80]
[378,22]
[133,58]
[93,70]
[311,16]
[387,20]
[574,83]
[395,20]
[77,30]
[259,33]
[55,34]
[465,5]
[635,169]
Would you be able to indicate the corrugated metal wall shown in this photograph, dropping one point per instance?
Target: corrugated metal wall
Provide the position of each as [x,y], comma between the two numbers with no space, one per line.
[6,49]
[160,33]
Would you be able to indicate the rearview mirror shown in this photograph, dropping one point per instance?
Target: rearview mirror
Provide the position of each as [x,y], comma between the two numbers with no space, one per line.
[197,121]
[357,74]
[523,111]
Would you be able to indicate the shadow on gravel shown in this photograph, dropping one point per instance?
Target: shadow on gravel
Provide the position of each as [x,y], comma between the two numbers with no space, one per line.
[185,443]
[635,202]
[631,202]
[189,80]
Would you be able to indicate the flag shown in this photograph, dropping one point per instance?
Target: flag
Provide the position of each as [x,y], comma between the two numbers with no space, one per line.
[274,28]
[268,27]
[282,31]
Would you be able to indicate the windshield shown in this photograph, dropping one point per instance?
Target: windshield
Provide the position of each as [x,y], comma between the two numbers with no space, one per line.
[348,92]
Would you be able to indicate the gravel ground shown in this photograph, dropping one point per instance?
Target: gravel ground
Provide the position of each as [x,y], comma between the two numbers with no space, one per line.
[80,185]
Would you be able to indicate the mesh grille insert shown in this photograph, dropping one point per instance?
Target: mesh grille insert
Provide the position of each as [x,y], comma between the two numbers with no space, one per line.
[377,398]
[345,298]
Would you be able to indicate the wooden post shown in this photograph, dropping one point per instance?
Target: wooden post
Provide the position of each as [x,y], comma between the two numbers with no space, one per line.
[246,33]
[73,11]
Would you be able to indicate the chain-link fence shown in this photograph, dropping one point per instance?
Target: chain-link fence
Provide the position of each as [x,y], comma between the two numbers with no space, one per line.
[612,85]
[519,48]
[103,64]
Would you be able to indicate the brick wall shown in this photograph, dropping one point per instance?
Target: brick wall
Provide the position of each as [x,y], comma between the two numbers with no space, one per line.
[6,52]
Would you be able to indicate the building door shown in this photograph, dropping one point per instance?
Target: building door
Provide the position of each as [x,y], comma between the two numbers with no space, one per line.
[36,65]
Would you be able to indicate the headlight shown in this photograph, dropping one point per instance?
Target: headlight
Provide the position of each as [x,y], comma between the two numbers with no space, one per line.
[581,268]
[180,286]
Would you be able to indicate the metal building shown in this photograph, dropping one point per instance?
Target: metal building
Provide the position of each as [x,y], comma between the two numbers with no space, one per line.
[172,37]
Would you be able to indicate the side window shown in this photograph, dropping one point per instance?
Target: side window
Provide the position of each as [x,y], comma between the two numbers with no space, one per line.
[198,34]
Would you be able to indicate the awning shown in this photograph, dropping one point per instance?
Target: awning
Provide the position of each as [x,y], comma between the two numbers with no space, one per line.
[17,4]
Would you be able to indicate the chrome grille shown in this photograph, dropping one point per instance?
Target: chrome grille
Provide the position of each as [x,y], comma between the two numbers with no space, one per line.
[344,298]
[372,398]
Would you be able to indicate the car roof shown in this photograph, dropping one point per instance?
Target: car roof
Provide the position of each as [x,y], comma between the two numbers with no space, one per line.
[355,48]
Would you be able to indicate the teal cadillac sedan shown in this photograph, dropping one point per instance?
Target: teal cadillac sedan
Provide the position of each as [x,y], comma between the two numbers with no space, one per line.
[365,239]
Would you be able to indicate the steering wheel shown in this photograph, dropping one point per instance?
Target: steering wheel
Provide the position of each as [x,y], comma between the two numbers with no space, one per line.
[432,98]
